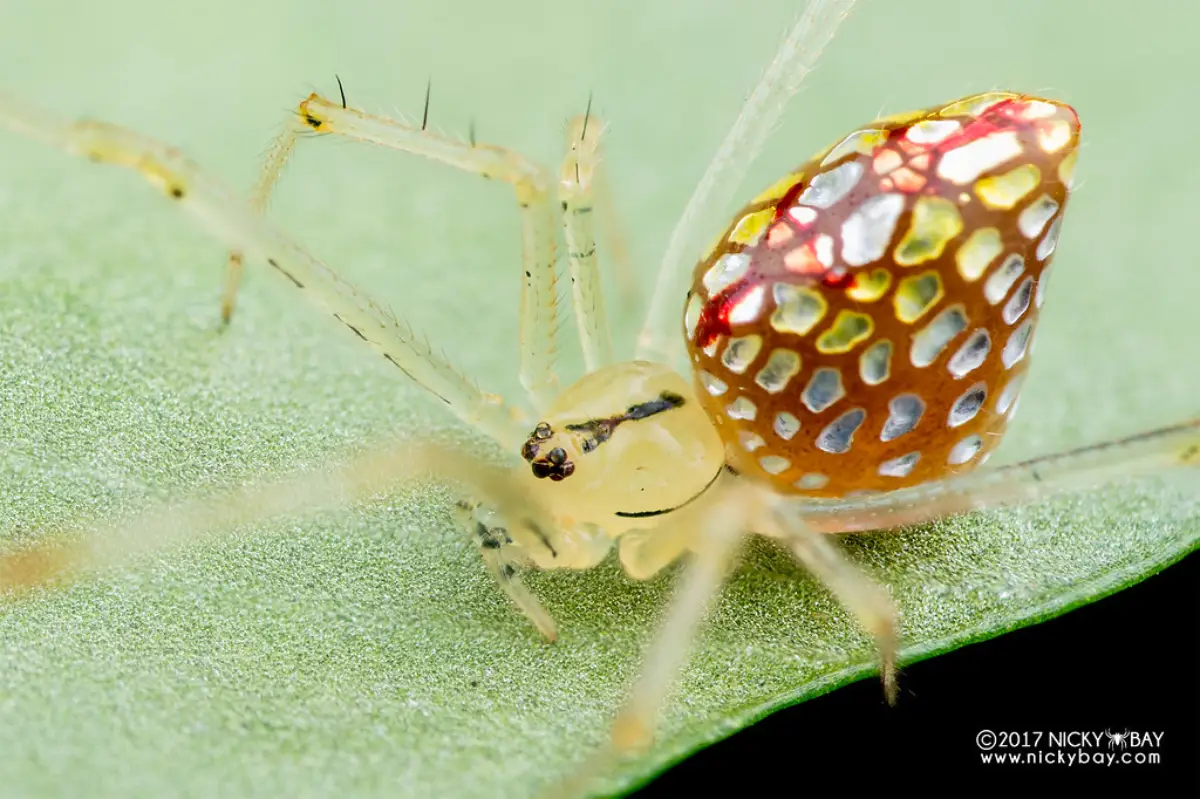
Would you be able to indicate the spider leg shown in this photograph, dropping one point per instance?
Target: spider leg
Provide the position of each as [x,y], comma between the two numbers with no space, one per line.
[576,192]
[526,527]
[67,554]
[644,553]
[278,153]
[538,320]
[495,544]
[616,246]
[659,339]
[59,557]
[243,230]
[1026,482]
[717,527]
[868,602]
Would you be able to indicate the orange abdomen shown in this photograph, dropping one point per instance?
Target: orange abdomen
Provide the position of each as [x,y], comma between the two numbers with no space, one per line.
[865,323]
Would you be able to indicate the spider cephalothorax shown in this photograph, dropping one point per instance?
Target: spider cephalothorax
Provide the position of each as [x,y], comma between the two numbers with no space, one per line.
[633,439]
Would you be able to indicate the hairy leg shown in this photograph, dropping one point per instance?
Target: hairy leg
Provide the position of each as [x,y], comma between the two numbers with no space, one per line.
[244,230]
[1019,483]
[495,547]
[577,177]
[91,548]
[716,540]
[538,320]
[865,599]
[659,339]
[714,527]
[616,245]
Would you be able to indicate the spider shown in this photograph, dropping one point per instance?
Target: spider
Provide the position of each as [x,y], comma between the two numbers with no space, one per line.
[1119,740]
[857,339]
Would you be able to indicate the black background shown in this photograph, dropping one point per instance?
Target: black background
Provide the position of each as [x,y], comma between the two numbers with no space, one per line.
[1127,661]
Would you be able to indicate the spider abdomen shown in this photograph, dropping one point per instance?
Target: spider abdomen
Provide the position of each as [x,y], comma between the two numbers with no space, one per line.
[865,323]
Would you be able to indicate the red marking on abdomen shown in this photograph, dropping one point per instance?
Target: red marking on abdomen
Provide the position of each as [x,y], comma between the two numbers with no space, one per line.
[714,316]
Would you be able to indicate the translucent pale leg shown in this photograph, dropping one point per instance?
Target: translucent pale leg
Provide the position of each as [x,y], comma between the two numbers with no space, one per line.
[208,516]
[1019,483]
[660,338]
[737,507]
[494,545]
[61,557]
[644,553]
[576,178]
[616,247]
[510,582]
[717,528]
[278,153]
[238,227]
[866,600]
[634,726]
[538,315]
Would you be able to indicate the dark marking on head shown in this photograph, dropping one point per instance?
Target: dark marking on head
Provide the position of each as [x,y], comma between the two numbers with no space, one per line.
[285,272]
[341,90]
[312,121]
[176,192]
[597,431]
[665,402]
[551,460]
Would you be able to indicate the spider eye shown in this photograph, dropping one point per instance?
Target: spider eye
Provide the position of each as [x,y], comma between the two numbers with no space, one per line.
[557,456]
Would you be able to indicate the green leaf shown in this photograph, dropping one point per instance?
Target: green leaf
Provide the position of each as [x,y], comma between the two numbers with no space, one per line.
[365,649]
